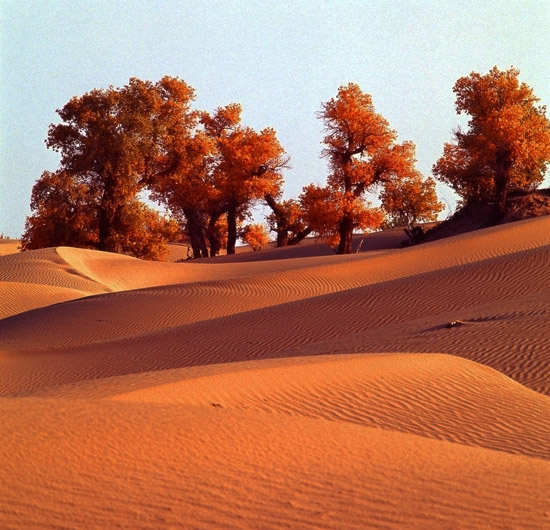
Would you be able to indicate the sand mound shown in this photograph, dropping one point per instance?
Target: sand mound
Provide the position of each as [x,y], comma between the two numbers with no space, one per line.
[389,302]
[20,297]
[476,215]
[314,247]
[39,278]
[9,246]
[45,267]
[432,395]
[107,464]
[327,442]
[251,394]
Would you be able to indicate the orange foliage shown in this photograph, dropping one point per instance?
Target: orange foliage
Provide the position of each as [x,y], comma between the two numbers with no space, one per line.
[114,139]
[63,213]
[247,165]
[321,209]
[144,233]
[409,201]
[507,144]
[256,236]
[362,153]
[215,171]
[183,183]
[287,220]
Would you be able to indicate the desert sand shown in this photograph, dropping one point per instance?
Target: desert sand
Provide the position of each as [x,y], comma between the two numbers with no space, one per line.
[288,388]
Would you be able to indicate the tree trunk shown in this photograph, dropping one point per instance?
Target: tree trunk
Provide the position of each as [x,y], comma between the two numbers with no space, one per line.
[195,242]
[346,232]
[231,229]
[296,238]
[195,231]
[106,216]
[280,220]
[214,237]
[104,229]
[282,236]
[502,168]
[107,221]
[215,244]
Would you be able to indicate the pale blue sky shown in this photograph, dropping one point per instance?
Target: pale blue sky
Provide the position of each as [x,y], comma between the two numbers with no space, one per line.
[279,59]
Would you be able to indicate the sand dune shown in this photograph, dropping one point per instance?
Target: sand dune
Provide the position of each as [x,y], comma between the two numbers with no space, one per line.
[9,246]
[387,389]
[432,395]
[389,302]
[107,464]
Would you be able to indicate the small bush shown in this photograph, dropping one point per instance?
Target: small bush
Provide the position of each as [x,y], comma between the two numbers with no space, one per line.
[256,236]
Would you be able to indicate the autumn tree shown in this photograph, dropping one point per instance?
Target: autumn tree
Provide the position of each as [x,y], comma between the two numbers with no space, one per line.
[363,154]
[321,211]
[144,232]
[65,214]
[255,235]
[183,183]
[247,166]
[63,209]
[409,201]
[506,144]
[113,141]
[214,173]
[287,219]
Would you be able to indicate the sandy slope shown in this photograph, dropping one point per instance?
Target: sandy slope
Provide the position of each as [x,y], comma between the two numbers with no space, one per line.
[83,464]
[295,392]
[9,246]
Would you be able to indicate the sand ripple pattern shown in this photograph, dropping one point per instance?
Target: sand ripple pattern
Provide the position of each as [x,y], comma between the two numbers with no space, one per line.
[391,389]
[436,396]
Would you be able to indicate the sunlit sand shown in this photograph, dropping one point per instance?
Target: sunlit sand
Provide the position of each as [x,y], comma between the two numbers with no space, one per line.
[288,388]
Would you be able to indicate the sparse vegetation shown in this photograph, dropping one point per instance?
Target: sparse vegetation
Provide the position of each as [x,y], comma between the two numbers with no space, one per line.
[255,235]
[506,146]
[208,169]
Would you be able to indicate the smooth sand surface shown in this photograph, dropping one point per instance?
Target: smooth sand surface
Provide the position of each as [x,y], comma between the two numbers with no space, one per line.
[9,246]
[395,388]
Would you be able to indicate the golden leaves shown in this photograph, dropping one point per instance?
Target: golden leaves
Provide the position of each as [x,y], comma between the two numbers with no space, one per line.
[508,136]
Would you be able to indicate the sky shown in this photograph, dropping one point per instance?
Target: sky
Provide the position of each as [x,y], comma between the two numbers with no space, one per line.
[279,59]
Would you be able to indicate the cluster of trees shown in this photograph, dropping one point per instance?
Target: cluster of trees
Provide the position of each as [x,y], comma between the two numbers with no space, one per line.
[208,170]
[506,145]
[118,143]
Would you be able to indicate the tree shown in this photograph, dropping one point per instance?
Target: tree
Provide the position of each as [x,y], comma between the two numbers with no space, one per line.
[409,201]
[183,183]
[322,211]
[362,154]
[256,236]
[287,219]
[144,233]
[506,145]
[247,167]
[114,140]
[63,213]
[215,173]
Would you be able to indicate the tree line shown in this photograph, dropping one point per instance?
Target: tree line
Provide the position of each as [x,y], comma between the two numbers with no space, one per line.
[208,169]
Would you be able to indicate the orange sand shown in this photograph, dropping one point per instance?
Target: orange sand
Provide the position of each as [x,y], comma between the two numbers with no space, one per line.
[280,389]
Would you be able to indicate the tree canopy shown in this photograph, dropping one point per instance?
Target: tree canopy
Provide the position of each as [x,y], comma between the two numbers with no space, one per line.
[63,207]
[409,201]
[255,235]
[506,144]
[363,154]
[220,169]
[248,167]
[111,142]
[208,170]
